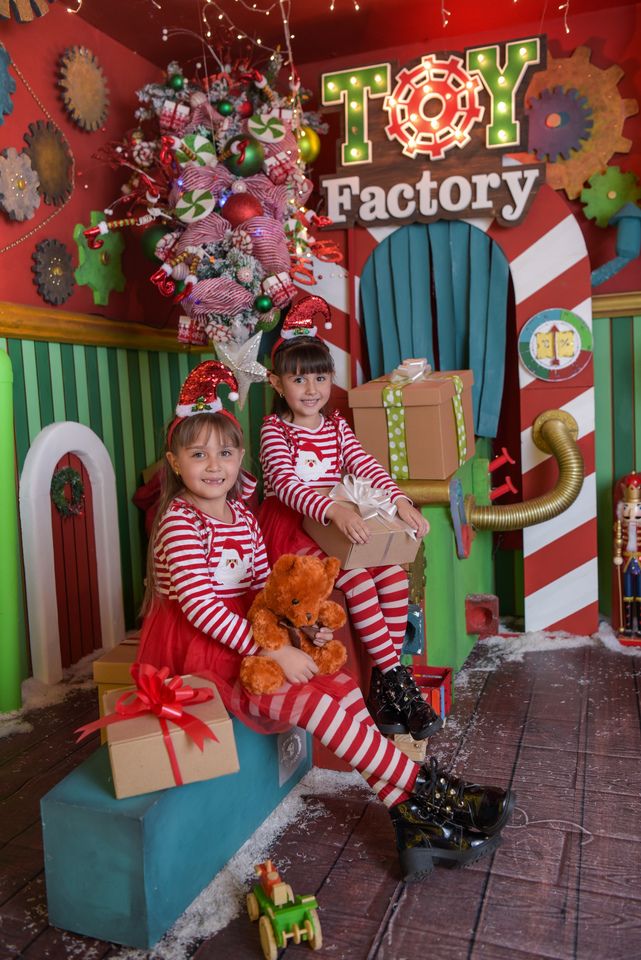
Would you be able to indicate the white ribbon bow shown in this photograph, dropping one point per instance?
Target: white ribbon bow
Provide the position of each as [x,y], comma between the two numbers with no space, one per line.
[371,502]
[410,370]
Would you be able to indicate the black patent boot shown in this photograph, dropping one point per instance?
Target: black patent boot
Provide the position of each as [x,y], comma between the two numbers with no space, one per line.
[386,715]
[425,840]
[420,719]
[470,805]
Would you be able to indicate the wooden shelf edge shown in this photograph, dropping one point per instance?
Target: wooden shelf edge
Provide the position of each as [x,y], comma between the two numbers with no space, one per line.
[617,304]
[21,322]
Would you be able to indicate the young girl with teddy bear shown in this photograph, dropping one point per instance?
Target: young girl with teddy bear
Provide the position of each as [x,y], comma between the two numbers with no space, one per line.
[207,561]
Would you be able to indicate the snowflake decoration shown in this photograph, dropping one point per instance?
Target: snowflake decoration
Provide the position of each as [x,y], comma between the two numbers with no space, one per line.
[53,272]
[7,84]
[100,269]
[19,196]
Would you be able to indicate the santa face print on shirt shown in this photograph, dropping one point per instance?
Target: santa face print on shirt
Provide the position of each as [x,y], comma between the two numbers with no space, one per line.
[310,464]
[232,565]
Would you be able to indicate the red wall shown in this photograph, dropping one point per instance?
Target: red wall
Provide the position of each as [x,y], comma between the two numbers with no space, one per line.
[36,48]
[614,36]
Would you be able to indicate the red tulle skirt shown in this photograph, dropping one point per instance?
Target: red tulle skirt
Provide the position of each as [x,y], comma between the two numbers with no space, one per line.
[168,639]
[282,530]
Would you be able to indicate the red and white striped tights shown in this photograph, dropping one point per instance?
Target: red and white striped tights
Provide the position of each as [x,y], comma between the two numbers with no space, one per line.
[347,729]
[377,602]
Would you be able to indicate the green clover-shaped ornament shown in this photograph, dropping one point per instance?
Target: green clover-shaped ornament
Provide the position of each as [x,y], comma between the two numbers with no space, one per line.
[100,269]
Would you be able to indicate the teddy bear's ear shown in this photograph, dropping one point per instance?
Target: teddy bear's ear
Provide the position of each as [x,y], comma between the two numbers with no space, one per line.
[332,566]
[285,564]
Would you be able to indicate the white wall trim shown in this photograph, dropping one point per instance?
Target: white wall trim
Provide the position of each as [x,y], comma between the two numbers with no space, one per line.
[37,542]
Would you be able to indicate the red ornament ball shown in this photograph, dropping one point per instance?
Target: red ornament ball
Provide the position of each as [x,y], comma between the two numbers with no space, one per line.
[240,207]
[245,109]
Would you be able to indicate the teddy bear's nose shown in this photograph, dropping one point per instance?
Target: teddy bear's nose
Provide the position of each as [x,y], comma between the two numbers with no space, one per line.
[309,615]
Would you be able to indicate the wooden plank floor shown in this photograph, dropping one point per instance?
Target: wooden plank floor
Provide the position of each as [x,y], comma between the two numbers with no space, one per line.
[563,727]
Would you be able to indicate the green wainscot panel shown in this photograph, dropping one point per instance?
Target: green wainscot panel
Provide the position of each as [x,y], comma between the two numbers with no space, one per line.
[450,580]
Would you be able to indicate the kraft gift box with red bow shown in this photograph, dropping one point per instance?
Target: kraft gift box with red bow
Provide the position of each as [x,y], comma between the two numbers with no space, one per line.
[165,731]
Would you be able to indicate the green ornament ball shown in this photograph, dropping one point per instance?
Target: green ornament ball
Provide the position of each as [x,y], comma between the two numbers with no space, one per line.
[263,303]
[309,144]
[249,158]
[176,81]
[225,108]
[149,239]
[268,322]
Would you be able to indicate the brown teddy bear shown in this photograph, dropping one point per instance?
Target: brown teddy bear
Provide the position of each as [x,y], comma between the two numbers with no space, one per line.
[290,609]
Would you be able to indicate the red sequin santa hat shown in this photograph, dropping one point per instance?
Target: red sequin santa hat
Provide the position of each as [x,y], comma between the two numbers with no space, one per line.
[199,393]
[299,321]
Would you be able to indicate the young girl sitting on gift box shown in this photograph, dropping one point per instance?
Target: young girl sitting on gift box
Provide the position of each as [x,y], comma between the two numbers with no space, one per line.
[206,561]
[303,452]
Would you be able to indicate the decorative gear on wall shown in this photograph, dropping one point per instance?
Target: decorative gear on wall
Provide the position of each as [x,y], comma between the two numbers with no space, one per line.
[53,271]
[23,10]
[609,113]
[51,157]
[607,193]
[99,269]
[84,88]
[558,121]
[7,84]
[19,197]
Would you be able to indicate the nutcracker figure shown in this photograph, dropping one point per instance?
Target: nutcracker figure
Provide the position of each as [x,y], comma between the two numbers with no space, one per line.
[627,557]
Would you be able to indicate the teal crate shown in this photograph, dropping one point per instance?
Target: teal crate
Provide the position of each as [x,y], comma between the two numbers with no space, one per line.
[125,870]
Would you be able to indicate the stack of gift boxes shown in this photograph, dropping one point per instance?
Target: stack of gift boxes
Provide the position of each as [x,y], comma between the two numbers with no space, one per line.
[125,852]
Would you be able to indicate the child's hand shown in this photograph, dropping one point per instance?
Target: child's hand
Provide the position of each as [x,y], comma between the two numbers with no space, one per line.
[413,517]
[323,636]
[349,523]
[297,665]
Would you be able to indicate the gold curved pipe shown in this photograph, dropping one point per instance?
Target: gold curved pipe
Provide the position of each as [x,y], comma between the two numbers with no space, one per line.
[553,431]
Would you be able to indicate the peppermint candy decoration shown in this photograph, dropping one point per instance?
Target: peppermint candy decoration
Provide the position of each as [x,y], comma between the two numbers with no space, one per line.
[267,127]
[200,147]
[193,205]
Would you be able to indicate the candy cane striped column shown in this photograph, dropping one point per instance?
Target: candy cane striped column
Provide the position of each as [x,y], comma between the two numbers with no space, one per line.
[549,266]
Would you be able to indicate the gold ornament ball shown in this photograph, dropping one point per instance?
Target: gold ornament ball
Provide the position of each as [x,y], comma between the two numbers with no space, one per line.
[309,144]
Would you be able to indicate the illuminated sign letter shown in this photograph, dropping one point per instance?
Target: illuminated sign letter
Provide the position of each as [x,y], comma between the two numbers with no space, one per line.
[355,88]
[502,84]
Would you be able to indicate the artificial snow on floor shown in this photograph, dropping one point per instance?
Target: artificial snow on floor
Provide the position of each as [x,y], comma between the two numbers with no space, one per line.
[224,898]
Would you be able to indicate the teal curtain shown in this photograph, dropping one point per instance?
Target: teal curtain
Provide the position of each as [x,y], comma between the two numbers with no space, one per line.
[440,289]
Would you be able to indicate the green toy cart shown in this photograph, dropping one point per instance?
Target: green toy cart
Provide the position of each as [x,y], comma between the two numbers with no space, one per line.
[281,915]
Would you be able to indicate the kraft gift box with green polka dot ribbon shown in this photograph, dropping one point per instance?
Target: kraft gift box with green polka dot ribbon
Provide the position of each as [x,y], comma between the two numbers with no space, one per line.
[418,430]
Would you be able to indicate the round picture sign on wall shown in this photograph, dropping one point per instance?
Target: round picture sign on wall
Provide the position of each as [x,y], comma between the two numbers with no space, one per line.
[555,344]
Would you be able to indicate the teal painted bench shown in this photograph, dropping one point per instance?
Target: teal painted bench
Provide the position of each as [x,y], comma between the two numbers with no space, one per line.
[125,870]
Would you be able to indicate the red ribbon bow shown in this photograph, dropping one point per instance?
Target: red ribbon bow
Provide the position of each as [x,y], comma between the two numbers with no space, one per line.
[166,699]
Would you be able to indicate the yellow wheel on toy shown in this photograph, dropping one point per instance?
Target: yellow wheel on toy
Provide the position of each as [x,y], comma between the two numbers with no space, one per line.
[313,931]
[289,892]
[267,939]
[253,910]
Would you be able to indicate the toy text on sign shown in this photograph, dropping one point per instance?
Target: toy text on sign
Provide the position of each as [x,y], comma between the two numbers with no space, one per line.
[458,113]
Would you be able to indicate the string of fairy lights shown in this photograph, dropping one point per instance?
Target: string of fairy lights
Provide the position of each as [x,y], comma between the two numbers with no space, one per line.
[284,8]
